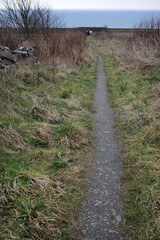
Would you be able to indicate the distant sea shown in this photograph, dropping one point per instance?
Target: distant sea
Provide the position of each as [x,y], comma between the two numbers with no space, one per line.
[109,18]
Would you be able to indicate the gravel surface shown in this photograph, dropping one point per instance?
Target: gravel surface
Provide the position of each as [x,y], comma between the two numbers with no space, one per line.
[102,218]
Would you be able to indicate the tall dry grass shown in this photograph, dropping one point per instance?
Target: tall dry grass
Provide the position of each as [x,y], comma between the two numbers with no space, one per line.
[67,47]
[149,31]
[10,38]
[62,47]
[140,47]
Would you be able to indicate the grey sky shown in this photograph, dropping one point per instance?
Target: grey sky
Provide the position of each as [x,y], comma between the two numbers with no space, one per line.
[104,4]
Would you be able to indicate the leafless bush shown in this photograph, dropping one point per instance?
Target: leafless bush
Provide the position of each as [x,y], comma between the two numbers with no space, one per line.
[27,22]
[28,16]
[148,33]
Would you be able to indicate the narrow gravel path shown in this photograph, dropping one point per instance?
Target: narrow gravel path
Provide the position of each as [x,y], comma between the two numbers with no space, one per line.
[103,210]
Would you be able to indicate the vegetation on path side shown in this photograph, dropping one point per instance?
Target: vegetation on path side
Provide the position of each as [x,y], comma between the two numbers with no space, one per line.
[133,82]
[45,134]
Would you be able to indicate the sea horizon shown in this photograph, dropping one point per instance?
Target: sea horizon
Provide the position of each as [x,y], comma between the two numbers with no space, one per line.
[105,18]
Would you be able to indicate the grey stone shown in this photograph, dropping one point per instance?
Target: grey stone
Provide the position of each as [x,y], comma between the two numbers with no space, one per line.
[8,58]
[118,218]
[2,66]
[112,231]
[21,54]
[22,48]
[84,232]
[7,62]
[30,51]
[5,54]
[7,48]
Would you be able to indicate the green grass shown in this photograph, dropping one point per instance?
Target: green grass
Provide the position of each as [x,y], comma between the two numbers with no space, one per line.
[135,97]
[45,135]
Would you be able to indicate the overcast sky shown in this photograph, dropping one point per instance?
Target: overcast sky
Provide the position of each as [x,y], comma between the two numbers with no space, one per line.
[104,4]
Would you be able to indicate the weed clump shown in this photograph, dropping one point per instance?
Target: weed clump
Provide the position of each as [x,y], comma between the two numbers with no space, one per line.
[37,113]
[57,163]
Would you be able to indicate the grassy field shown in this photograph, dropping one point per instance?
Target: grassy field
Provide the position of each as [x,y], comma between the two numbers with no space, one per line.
[46,133]
[45,136]
[134,90]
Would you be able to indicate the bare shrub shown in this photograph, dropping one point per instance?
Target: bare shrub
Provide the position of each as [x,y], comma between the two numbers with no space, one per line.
[26,23]
[28,16]
[148,31]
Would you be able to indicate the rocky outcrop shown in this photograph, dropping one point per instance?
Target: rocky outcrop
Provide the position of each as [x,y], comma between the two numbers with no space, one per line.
[9,58]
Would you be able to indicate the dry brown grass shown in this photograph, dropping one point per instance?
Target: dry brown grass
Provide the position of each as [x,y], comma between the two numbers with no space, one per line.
[56,48]
[43,145]
[133,52]
[10,38]
[140,47]
[28,211]
[61,48]
[12,139]
[133,70]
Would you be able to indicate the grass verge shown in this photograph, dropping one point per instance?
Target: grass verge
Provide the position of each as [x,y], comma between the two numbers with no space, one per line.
[135,96]
[45,135]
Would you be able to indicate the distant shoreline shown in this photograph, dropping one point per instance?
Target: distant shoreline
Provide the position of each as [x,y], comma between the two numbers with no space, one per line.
[109,18]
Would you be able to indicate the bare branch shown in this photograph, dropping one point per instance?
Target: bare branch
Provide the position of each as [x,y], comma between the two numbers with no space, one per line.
[28,16]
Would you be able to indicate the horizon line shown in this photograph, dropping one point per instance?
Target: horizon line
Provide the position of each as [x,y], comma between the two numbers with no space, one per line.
[91,9]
